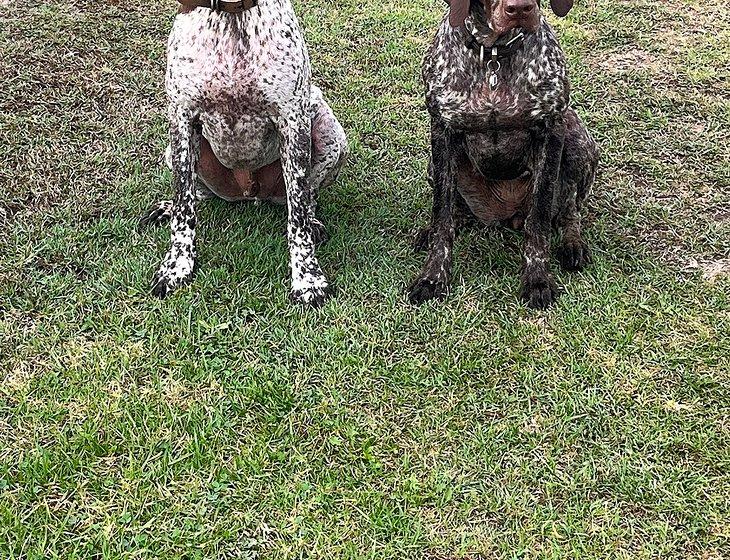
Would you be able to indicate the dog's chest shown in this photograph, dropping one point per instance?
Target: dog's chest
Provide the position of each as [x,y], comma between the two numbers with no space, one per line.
[472,93]
[505,99]
[228,63]
[504,104]
[233,72]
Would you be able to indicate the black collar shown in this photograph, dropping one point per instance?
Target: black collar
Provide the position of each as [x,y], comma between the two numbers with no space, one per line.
[497,51]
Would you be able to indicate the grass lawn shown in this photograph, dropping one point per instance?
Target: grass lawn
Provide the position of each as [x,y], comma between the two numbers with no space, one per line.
[224,422]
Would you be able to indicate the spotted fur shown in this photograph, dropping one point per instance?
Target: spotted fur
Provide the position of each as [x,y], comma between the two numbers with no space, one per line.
[515,153]
[243,82]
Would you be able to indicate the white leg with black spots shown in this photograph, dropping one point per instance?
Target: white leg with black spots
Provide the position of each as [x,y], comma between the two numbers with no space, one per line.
[178,264]
[309,284]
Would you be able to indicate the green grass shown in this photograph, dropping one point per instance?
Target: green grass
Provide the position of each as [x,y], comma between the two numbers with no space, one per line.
[225,423]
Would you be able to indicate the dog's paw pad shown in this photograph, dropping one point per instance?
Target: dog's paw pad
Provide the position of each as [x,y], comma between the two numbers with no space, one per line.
[574,255]
[424,289]
[539,292]
[422,241]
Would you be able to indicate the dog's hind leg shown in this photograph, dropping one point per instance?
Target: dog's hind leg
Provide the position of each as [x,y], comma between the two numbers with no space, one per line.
[573,252]
[178,264]
[160,212]
[329,143]
[577,174]
[329,152]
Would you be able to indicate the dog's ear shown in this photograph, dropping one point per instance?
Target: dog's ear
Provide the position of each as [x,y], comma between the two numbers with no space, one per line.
[458,10]
[561,7]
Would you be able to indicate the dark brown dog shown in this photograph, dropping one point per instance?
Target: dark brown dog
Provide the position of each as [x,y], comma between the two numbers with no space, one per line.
[505,145]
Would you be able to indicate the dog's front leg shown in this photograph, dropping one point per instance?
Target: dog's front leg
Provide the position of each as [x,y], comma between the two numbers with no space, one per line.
[177,267]
[309,285]
[539,290]
[433,282]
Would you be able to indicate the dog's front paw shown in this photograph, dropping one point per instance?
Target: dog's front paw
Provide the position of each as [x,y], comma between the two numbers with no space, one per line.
[158,214]
[539,291]
[574,255]
[312,292]
[173,273]
[422,240]
[425,288]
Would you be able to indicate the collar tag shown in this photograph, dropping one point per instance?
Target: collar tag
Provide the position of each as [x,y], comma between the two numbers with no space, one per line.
[493,73]
[494,66]
[493,80]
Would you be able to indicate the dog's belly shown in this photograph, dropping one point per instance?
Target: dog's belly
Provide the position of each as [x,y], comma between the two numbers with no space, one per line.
[495,183]
[496,201]
[241,183]
[240,157]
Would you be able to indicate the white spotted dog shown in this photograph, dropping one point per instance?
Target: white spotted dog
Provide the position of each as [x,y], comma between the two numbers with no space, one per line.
[246,123]
[506,147]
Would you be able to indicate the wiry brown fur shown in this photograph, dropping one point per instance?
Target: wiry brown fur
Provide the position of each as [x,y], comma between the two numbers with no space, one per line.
[515,153]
